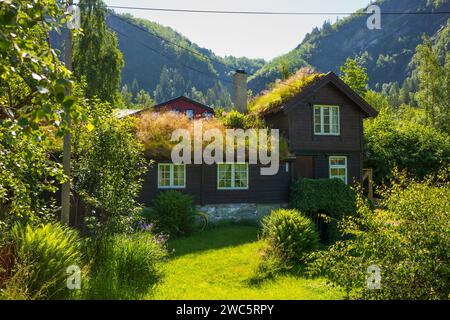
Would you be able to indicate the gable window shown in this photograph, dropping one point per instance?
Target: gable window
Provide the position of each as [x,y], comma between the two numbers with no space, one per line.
[232,176]
[338,168]
[326,120]
[171,176]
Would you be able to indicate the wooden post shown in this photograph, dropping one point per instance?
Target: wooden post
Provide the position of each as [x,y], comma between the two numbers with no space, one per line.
[65,192]
[368,174]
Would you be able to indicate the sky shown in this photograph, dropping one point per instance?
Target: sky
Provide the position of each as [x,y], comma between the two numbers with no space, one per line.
[253,36]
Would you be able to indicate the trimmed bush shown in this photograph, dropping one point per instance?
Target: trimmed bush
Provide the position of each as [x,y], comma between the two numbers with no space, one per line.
[290,233]
[330,196]
[173,212]
[42,255]
[126,266]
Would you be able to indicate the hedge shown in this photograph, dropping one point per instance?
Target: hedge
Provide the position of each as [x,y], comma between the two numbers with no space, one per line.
[330,196]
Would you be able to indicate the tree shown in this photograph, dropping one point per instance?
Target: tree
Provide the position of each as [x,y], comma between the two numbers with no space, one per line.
[171,85]
[33,108]
[108,170]
[143,100]
[355,76]
[432,62]
[32,79]
[96,56]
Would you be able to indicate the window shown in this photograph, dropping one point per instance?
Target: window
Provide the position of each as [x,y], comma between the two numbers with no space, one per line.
[232,176]
[171,176]
[190,113]
[326,120]
[338,168]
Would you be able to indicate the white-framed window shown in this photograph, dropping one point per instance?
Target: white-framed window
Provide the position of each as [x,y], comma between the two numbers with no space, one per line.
[326,120]
[171,176]
[232,176]
[338,167]
[190,113]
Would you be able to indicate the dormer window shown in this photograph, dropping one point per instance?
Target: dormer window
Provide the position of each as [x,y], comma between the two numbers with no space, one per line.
[326,120]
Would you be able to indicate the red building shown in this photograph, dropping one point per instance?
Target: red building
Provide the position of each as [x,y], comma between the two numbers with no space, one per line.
[191,108]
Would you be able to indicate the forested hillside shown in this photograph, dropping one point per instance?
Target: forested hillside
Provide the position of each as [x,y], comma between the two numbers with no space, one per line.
[154,55]
[164,63]
[386,53]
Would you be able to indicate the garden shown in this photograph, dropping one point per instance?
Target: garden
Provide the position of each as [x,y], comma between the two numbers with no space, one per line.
[331,243]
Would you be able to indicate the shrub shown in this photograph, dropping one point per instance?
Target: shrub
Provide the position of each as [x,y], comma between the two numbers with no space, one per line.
[173,212]
[108,169]
[236,120]
[330,196]
[392,141]
[408,240]
[290,233]
[42,255]
[126,266]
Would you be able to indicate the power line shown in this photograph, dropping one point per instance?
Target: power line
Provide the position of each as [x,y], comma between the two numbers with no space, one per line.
[171,42]
[172,61]
[273,12]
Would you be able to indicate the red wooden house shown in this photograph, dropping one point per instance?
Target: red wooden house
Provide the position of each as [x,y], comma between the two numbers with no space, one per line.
[191,108]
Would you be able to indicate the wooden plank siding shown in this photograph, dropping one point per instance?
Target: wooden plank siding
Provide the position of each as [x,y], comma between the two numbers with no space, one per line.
[301,123]
[201,182]
[313,151]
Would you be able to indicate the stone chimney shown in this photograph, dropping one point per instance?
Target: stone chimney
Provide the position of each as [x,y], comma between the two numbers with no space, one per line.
[240,91]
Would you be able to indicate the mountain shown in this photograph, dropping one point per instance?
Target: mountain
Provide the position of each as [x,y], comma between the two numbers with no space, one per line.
[166,64]
[386,53]
[149,49]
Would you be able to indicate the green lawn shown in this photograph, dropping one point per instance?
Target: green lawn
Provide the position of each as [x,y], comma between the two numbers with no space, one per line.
[217,264]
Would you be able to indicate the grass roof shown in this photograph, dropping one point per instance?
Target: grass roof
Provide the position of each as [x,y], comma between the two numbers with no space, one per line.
[283,91]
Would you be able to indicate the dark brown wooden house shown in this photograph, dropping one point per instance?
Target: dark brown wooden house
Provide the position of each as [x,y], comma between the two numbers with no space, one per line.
[324,126]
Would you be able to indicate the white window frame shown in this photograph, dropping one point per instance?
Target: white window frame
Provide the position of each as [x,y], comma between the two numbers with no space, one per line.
[322,124]
[233,176]
[171,172]
[338,166]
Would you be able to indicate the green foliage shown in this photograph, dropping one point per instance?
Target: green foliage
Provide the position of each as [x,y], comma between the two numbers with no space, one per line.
[126,266]
[408,239]
[136,100]
[290,235]
[107,171]
[42,256]
[173,212]
[283,91]
[33,81]
[236,120]
[330,196]
[26,175]
[96,56]
[433,71]
[355,76]
[395,139]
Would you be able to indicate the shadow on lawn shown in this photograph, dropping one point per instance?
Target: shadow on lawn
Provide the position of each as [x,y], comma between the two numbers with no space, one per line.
[217,237]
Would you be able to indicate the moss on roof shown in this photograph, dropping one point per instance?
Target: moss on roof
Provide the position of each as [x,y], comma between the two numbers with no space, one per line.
[283,91]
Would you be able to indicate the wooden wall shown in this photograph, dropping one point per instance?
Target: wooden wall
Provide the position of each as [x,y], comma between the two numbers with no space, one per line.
[201,182]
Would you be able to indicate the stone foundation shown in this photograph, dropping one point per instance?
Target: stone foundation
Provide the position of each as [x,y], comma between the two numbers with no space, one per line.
[239,211]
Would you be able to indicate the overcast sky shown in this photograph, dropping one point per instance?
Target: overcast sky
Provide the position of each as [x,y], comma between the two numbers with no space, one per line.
[242,35]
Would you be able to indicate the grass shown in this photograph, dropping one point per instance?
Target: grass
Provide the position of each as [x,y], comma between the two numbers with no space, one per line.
[218,264]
